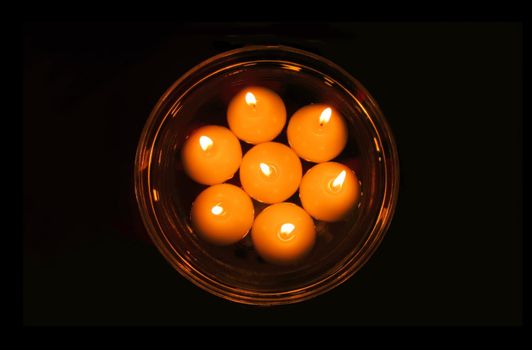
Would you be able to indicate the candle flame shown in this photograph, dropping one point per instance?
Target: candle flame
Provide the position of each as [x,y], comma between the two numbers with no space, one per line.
[266,169]
[205,142]
[287,228]
[325,116]
[217,209]
[250,99]
[286,232]
[339,180]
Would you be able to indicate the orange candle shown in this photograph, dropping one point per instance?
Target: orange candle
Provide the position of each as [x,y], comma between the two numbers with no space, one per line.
[270,172]
[222,214]
[317,133]
[283,234]
[256,115]
[211,155]
[329,191]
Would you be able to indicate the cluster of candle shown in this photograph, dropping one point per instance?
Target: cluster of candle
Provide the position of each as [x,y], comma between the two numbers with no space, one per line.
[270,172]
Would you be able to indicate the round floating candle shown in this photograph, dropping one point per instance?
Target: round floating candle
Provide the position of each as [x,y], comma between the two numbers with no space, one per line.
[256,115]
[329,191]
[270,172]
[222,214]
[283,233]
[317,133]
[211,155]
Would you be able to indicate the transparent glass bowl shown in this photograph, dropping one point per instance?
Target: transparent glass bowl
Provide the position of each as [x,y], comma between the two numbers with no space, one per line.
[165,193]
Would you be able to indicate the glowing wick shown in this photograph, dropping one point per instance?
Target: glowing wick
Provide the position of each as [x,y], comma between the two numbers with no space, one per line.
[251,100]
[325,116]
[205,142]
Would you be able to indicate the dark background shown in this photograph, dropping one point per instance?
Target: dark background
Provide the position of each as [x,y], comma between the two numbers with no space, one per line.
[452,93]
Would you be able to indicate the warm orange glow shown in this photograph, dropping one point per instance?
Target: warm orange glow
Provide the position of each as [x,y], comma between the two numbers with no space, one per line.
[155,195]
[285,233]
[205,142]
[328,81]
[376,144]
[250,99]
[217,209]
[212,214]
[256,115]
[291,67]
[329,191]
[144,160]
[338,182]
[317,132]
[266,169]
[325,116]
[270,172]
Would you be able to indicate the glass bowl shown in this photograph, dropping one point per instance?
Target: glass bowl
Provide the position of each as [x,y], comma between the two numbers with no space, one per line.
[165,193]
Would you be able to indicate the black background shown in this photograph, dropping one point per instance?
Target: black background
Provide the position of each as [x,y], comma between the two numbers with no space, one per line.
[452,93]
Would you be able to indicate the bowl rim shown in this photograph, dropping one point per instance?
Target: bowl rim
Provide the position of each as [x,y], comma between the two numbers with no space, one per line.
[388,205]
